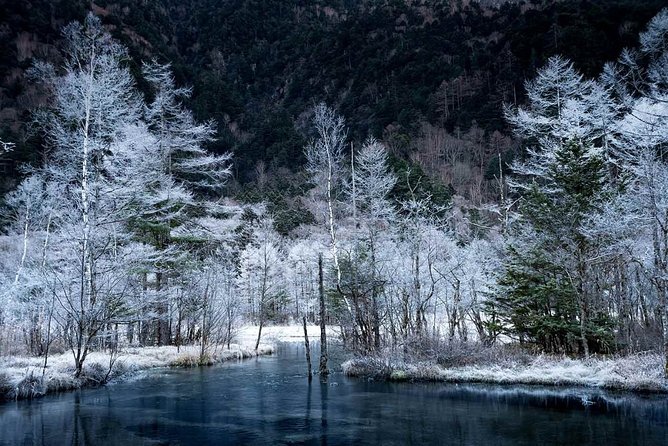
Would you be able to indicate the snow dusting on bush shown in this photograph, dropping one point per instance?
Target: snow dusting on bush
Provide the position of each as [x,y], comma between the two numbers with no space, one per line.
[639,373]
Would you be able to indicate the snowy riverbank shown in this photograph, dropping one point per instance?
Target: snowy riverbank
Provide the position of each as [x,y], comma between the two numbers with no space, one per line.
[636,373]
[273,334]
[24,377]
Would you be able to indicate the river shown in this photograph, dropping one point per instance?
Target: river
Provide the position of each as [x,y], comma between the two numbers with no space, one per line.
[268,400]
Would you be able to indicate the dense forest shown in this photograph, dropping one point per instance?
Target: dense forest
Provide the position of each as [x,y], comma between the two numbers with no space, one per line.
[419,174]
[389,67]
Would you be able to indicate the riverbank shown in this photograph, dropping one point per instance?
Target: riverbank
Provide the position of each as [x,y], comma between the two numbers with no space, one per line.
[641,373]
[25,377]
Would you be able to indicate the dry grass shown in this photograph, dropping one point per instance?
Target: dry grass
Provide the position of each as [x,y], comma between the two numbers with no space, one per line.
[24,376]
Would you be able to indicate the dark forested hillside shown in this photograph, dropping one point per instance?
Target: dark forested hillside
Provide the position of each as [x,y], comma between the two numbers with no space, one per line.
[388,66]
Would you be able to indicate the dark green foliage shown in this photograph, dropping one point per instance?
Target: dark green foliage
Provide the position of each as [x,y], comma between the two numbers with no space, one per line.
[276,309]
[257,66]
[547,287]
[492,170]
[411,179]
[538,304]
[282,195]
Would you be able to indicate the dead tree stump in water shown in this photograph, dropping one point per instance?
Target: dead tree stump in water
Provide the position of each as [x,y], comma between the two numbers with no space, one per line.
[308,350]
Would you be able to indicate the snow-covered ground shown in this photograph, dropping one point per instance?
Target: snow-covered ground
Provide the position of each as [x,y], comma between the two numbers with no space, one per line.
[640,373]
[247,335]
[25,377]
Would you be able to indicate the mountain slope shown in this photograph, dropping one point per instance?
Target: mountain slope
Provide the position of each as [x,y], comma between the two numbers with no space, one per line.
[388,66]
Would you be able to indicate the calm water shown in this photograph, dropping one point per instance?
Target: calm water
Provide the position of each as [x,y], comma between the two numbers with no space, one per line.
[269,401]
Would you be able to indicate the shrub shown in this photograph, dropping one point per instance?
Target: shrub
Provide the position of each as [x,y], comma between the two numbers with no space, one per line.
[191,360]
[398,375]
[96,373]
[61,382]
[6,387]
[372,367]
[30,386]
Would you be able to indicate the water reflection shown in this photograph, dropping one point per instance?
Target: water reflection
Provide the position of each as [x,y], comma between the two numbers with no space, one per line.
[270,401]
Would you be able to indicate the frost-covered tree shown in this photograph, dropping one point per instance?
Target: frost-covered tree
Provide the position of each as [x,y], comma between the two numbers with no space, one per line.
[262,276]
[373,216]
[479,263]
[180,139]
[325,158]
[374,182]
[421,232]
[93,102]
[562,107]
[564,179]
[550,279]
[127,200]
[26,300]
[302,274]
[638,215]
[183,181]
[217,308]
[325,164]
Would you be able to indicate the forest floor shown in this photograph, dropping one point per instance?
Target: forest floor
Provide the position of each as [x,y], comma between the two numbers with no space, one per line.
[25,377]
[247,335]
[641,373]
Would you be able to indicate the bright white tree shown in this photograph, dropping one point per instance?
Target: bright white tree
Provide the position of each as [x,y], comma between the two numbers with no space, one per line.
[181,140]
[93,104]
[638,217]
[179,173]
[325,158]
[373,215]
[262,277]
[325,164]
[562,107]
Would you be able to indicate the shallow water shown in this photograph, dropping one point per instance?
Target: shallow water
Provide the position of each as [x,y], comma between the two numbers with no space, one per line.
[268,400]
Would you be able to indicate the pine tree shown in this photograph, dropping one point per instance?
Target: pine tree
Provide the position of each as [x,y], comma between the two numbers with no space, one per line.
[548,292]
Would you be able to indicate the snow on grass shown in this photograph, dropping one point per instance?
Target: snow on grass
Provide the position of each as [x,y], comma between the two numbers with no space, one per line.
[640,372]
[23,377]
[282,333]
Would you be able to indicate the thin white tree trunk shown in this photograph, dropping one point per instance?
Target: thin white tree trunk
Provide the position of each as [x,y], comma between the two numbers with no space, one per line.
[25,245]
[332,230]
[87,273]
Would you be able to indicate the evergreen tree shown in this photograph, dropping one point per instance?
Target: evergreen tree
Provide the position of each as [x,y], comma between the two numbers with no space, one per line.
[548,288]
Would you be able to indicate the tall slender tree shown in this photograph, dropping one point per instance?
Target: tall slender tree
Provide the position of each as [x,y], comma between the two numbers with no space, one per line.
[93,102]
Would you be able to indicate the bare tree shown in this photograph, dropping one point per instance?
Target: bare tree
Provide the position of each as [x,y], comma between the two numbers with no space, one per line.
[262,275]
[93,103]
[325,156]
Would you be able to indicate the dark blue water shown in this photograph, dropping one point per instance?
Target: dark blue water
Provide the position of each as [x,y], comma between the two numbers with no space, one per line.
[269,401]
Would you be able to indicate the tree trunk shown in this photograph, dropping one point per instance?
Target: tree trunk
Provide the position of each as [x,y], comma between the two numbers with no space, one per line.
[664,314]
[308,350]
[259,334]
[323,332]
[663,308]
[162,334]
[374,300]
[582,300]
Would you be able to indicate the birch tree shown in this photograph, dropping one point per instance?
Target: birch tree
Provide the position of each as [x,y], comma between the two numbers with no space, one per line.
[325,164]
[93,101]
